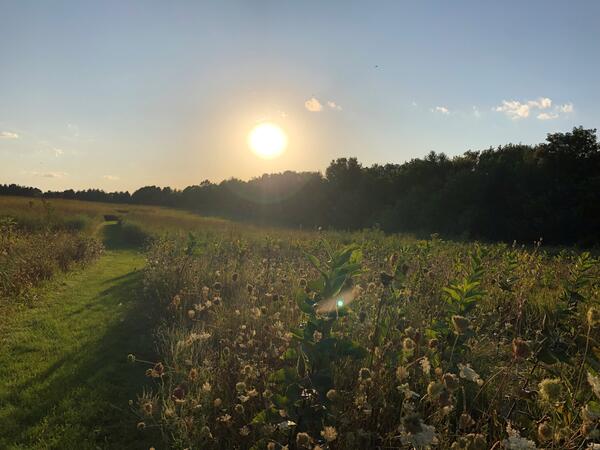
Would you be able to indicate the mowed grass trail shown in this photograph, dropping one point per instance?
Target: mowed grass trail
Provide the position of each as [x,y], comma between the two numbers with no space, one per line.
[64,377]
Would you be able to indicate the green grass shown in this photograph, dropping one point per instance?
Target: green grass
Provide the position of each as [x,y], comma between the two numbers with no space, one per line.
[65,377]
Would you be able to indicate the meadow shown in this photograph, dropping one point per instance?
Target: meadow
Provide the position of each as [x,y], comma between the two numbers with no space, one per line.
[272,338]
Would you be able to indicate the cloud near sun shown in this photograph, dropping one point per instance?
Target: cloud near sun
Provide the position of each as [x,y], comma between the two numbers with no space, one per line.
[314,105]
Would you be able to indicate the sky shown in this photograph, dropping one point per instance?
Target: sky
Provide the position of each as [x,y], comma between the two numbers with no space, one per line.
[121,94]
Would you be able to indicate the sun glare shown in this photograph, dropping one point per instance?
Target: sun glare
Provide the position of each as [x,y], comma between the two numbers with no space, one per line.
[267,140]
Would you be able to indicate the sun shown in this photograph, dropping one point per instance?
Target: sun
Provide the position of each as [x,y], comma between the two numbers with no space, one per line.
[267,140]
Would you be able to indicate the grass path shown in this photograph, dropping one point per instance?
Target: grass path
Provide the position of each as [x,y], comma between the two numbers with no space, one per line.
[64,377]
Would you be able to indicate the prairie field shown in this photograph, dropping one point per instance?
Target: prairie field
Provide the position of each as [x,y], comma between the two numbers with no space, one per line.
[286,339]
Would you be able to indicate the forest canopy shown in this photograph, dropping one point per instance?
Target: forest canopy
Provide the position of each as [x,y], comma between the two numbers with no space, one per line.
[514,192]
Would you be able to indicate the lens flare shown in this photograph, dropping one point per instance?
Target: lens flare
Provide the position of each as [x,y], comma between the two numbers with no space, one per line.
[337,302]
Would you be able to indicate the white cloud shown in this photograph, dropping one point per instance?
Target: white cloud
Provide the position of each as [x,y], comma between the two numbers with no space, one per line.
[540,103]
[547,116]
[58,152]
[334,105]
[8,135]
[566,108]
[48,174]
[414,103]
[442,109]
[476,112]
[110,177]
[313,105]
[514,109]
[520,110]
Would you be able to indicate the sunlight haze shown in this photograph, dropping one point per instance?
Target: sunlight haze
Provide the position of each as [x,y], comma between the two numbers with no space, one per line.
[117,95]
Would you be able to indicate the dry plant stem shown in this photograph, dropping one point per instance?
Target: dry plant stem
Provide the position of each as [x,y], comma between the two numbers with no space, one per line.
[587,347]
[377,328]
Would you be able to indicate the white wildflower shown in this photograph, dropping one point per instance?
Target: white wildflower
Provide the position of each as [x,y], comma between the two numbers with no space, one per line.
[516,442]
[468,373]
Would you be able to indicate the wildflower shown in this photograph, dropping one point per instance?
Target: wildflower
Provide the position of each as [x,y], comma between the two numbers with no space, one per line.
[465,421]
[401,373]
[317,336]
[271,446]
[594,382]
[467,373]
[451,381]
[217,403]
[329,434]
[461,324]
[158,370]
[178,394]
[148,407]
[426,366]
[417,433]
[408,344]
[550,390]
[520,348]
[303,440]
[240,386]
[593,317]
[434,389]
[516,442]
[364,374]
[141,425]
[206,387]
[225,418]
[193,374]
[544,431]
[331,395]
[191,313]
[244,431]
[176,301]
[239,408]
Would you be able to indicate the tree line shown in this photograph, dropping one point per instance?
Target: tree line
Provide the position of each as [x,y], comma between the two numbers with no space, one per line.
[514,192]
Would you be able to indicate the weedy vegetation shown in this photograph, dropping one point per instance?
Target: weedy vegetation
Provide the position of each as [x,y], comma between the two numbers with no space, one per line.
[282,339]
[289,340]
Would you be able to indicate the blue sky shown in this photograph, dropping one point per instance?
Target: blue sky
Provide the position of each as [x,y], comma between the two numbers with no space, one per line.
[122,94]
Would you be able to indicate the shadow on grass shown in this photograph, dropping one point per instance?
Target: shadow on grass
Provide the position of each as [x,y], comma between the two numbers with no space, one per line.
[123,236]
[81,400]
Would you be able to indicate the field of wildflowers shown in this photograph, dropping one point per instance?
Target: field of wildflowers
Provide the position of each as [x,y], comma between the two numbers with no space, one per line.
[298,340]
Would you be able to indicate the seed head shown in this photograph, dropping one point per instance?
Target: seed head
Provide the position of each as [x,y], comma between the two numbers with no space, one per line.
[451,381]
[303,440]
[332,395]
[550,390]
[408,344]
[593,317]
[544,431]
[329,434]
